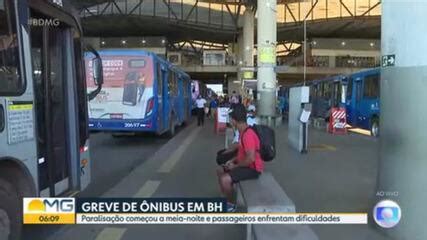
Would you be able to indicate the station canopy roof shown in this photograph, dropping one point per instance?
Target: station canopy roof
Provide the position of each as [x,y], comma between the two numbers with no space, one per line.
[220,21]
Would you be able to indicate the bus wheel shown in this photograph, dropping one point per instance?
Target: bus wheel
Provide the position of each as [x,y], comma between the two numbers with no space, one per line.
[375,127]
[10,216]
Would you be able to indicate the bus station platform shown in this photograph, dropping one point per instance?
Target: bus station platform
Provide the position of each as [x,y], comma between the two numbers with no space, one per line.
[338,174]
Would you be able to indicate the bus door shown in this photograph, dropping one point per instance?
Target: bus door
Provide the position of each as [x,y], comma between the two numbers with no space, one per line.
[166,98]
[325,101]
[343,94]
[369,101]
[336,94]
[160,102]
[187,99]
[180,99]
[169,98]
[349,101]
[50,75]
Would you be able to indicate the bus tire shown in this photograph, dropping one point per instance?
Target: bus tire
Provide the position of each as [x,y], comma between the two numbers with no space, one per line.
[375,127]
[10,214]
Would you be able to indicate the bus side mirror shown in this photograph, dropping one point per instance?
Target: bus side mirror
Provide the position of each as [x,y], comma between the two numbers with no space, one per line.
[97,73]
[98,76]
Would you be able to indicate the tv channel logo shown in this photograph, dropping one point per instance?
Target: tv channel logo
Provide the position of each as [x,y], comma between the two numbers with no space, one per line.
[387,213]
[49,210]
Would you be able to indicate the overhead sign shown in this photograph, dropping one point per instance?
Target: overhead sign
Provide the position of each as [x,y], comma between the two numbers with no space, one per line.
[388,60]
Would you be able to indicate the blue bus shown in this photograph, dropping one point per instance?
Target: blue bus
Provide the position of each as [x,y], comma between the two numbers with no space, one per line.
[362,101]
[142,92]
[326,94]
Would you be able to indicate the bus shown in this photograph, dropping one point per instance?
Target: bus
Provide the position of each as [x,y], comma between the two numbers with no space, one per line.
[326,94]
[362,101]
[44,138]
[141,93]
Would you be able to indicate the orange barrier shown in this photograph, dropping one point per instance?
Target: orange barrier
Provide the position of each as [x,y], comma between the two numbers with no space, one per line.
[338,121]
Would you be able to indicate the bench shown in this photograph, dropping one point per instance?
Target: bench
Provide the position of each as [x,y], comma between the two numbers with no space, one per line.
[265,195]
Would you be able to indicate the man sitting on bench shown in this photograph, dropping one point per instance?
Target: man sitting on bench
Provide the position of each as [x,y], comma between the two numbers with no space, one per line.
[247,164]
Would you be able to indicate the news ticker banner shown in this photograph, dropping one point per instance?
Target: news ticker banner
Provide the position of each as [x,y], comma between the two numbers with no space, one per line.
[163,211]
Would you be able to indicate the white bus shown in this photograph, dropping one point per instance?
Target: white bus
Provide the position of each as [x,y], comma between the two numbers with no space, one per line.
[43,110]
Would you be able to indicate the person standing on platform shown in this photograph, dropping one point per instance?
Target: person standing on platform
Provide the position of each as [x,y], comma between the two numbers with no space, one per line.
[200,104]
[213,106]
[234,99]
[251,116]
[282,106]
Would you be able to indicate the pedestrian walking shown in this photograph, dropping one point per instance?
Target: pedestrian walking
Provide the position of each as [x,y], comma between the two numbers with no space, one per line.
[200,104]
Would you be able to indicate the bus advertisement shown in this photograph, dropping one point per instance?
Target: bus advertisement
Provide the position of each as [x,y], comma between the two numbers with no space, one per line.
[127,91]
[141,92]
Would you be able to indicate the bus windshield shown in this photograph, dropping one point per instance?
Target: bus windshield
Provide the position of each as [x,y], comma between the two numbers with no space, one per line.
[128,85]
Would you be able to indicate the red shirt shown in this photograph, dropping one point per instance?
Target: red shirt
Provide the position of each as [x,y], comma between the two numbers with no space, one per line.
[250,141]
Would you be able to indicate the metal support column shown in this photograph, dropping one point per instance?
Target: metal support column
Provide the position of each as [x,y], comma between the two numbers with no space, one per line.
[247,43]
[248,37]
[266,42]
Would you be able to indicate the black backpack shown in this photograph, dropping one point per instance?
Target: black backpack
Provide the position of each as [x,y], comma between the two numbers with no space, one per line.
[267,141]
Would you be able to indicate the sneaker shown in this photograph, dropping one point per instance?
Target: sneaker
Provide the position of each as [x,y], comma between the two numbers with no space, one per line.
[231,207]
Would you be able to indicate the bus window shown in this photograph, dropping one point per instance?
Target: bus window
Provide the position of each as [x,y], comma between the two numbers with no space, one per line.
[172,84]
[175,82]
[316,90]
[320,90]
[10,81]
[159,80]
[336,94]
[349,88]
[358,90]
[327,91]
[371,88]
[185,87]
[312,92]
[343,93]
